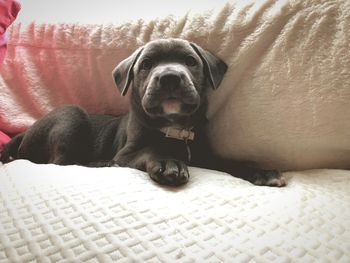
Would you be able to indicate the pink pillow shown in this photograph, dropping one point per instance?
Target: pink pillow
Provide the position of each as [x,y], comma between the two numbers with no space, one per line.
[4,139]
[8,13]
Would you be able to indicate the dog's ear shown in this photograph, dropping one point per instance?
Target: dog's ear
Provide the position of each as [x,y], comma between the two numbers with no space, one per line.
[214,68]
[123,74]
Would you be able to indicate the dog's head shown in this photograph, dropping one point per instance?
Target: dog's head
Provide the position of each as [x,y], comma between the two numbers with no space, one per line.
[169,77]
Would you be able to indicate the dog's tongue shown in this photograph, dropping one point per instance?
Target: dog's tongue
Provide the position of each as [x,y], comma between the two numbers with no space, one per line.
[171,106]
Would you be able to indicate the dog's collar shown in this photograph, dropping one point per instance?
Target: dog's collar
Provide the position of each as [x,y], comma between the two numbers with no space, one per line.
[178,133]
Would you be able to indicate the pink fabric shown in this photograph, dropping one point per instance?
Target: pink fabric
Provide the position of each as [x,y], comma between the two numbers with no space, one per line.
[50,65]
[4,139]
[8,13]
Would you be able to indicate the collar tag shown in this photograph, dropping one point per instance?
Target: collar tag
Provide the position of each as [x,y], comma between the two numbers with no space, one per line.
[178,133]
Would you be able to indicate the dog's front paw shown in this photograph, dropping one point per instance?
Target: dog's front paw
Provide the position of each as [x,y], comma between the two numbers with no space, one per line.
[168,172]
[269,178]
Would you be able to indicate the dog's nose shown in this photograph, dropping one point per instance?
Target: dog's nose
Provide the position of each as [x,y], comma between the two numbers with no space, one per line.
[170,80]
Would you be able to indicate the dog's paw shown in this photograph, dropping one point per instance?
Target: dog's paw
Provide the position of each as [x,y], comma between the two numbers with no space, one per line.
[269,178]
[168,172]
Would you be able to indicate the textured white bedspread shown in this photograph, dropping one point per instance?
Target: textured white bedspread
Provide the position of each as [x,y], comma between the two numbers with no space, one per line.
[52,213]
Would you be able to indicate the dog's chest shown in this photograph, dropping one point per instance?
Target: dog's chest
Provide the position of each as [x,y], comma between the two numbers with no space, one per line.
[178,149]
[187,149]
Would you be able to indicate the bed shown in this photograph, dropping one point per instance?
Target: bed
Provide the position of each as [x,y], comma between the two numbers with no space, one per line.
[53,213]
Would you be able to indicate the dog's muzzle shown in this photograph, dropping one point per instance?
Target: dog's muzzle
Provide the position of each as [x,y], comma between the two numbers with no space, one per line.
[170,92]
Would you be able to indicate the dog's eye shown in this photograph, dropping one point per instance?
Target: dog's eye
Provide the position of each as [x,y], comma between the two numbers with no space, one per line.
[146,64]
[190,61]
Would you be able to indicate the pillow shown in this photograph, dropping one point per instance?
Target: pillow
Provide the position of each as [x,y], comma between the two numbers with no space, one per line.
[8,13]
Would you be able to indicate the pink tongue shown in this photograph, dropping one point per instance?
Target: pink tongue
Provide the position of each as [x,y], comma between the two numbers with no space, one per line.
[171,106]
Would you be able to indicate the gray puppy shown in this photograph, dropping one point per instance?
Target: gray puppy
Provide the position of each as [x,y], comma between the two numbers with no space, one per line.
[163,132]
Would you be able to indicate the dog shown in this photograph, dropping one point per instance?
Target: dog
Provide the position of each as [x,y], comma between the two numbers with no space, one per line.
[164,130]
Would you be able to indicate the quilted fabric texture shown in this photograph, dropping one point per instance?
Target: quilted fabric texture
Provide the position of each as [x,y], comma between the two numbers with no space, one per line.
[52,213]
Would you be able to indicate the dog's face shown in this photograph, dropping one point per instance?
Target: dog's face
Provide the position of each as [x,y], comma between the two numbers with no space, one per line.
[169,77]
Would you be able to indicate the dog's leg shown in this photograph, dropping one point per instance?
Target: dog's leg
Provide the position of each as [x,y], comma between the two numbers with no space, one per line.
[255,175]
[247,171]
[61,137]
[163,170]
[11,149]
[70,146]
[203,156]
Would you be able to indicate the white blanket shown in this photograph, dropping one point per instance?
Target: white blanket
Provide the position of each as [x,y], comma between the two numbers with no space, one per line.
[284,102]
[52,213]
